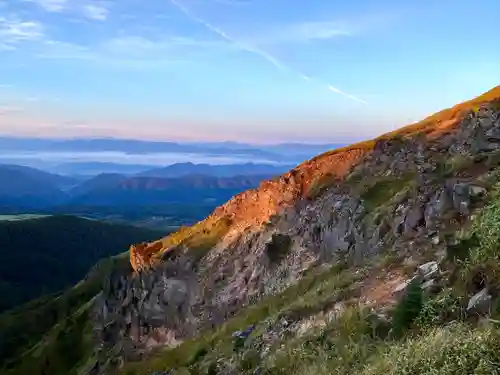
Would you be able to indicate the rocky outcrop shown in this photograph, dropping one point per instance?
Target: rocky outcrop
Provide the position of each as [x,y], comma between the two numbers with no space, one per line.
[141,254]
[418,187]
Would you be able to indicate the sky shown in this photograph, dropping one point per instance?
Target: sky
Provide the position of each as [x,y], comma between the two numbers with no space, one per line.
[259,71]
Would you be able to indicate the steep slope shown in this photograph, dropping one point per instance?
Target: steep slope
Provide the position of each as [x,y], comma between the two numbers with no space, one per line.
[376,258]
[53,334]
[48,254]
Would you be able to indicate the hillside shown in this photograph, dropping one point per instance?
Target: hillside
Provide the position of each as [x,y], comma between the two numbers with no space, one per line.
[99,182]
[41,177]
[28,187]
[377,258]
[45,255]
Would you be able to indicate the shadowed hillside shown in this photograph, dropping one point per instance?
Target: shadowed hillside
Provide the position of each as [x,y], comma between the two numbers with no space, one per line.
[46,255]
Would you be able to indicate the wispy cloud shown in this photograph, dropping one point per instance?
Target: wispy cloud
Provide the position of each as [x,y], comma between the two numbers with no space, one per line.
[54,49]
[132,52]
[230,39]
[6,110]
[51,5]
[6,86]
[92,10]
[300,32]
[14,31]
[95,12]
[252,49]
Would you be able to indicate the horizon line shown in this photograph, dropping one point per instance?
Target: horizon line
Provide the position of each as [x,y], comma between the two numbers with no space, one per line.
[182,142]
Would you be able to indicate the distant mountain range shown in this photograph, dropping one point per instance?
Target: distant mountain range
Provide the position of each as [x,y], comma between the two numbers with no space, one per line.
[146,147]
[226,170]
[84,170]
[93,156]
[24,188]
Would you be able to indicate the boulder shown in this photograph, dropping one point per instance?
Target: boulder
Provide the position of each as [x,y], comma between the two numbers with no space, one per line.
[493,135]
[428,270]
[480,303]
[438,204]
[414,219]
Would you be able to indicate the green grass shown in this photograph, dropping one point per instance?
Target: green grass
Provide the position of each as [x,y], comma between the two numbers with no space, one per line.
[381,190]
[477,255]
[197,239]
[320,185]
[309,295]
[449,350]
[62,351]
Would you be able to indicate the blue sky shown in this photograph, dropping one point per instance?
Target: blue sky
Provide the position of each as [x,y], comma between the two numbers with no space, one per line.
[246,70]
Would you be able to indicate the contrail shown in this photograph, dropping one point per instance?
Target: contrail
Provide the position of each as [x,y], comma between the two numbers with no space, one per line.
[271,59]
[221,33]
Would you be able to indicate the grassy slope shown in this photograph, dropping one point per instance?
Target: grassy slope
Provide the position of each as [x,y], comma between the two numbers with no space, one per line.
[53,332]
[438,339]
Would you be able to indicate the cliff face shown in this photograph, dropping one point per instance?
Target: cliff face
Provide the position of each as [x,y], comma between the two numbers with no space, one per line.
[404,192]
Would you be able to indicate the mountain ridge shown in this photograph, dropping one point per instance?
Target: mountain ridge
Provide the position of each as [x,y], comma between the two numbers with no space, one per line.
[254,207]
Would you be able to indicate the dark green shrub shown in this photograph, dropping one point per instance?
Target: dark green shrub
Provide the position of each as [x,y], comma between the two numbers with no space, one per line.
[408,309]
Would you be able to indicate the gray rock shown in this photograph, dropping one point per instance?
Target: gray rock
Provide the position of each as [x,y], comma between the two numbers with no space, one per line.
[428,270]
[414,219]
[477,191]
[461,198]
[493,135]
[480,303]
[438,204]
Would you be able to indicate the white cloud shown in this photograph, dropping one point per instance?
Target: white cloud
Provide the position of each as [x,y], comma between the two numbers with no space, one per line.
[132,52]
[88,9]
[14,31]
[95,12]
[51,5]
